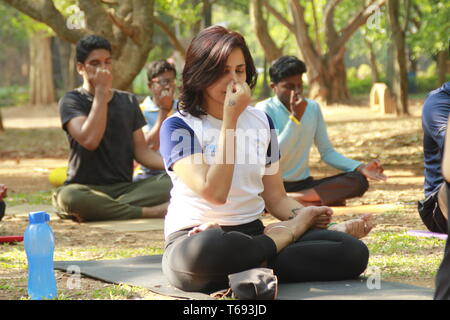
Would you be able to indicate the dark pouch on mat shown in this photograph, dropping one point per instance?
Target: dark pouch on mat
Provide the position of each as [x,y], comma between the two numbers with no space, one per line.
[252,284]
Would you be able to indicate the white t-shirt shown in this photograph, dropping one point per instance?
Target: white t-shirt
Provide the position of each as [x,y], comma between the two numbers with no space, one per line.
[256,147]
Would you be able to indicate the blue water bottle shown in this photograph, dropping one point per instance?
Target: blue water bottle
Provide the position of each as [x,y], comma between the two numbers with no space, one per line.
[39,245]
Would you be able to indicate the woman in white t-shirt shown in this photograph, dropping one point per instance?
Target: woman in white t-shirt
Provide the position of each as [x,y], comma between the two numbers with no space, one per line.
[222,156]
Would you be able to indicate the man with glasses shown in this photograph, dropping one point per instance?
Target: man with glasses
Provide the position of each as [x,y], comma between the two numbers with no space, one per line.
[299,122]
[161,77]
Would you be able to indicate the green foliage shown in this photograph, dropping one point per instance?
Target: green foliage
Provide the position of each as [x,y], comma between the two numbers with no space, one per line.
[13,96]
[186,12]
[433,34]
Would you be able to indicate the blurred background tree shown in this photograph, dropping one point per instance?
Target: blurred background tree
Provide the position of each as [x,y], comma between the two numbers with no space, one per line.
[346,45]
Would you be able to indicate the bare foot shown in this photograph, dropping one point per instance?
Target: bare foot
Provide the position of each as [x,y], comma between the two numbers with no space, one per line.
[285,232]
[158,211]
[358,228]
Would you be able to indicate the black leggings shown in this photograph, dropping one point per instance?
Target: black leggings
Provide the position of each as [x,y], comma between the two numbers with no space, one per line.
[202,262]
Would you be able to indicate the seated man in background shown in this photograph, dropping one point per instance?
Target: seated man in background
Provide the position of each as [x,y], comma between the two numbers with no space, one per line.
[299,122]
[433,209]
[161,77]
[104,130]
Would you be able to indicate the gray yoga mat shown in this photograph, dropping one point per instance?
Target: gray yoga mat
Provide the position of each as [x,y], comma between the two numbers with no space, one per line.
[146,272]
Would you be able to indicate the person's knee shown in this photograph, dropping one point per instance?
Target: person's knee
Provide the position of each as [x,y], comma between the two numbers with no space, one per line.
[361,184]
[195,263]
[69,196]
[355,257]
[208,257]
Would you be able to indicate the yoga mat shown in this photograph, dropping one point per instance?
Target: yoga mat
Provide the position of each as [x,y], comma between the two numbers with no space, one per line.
[146,272]
[129,225]
[427,234]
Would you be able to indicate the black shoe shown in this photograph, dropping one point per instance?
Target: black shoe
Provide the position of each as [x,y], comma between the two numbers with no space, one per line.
[2,209]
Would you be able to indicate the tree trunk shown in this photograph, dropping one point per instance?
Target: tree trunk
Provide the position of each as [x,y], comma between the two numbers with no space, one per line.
[400,85]
[207,13]
[373,62]
[271,51]
[42,89]
[442,58]
[2,128]
[69,73]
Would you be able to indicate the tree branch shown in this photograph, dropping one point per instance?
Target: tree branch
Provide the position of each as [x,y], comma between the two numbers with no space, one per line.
[316,27]
[278,16]
[271,50]
[96,17]
[172,37]
[408,15]
[304,42]
[328,15]
[124,25]
[44,11]
[357,21]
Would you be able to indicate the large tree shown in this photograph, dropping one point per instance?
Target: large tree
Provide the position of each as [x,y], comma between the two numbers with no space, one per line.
[127,24]
[325,63]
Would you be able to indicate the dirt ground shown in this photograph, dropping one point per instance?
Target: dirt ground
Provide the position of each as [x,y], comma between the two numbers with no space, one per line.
[356,131]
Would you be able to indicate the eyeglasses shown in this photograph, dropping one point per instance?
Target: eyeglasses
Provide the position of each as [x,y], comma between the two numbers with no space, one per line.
[164,82]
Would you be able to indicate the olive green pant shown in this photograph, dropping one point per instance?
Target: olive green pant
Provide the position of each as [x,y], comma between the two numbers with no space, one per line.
[118,201]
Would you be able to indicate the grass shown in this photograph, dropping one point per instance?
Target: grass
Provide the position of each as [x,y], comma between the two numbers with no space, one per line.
[38,197]
[399,255]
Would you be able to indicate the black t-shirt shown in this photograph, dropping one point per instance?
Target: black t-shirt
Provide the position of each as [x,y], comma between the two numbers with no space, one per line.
[112,161]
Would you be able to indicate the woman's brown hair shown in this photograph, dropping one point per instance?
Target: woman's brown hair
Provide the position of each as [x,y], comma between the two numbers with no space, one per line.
[205,63]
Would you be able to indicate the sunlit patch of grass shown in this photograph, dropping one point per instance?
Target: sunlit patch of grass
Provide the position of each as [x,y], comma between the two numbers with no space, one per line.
[97,253]
[398,254]
[117,292]
[38,197]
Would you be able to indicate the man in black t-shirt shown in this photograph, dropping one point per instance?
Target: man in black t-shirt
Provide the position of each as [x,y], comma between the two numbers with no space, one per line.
[104,130]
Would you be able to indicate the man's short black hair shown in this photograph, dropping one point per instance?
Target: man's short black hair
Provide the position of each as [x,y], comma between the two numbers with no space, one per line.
[89,43]
[286,66]
[158,67]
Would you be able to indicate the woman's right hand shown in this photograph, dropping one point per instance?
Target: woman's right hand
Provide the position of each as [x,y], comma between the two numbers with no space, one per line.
[237,98]
[203,227]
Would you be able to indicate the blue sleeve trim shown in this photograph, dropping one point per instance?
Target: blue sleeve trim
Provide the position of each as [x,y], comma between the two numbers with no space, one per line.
[273,150]
[177,141]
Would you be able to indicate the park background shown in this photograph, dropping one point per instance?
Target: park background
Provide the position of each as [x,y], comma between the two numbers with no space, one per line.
[347,45]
